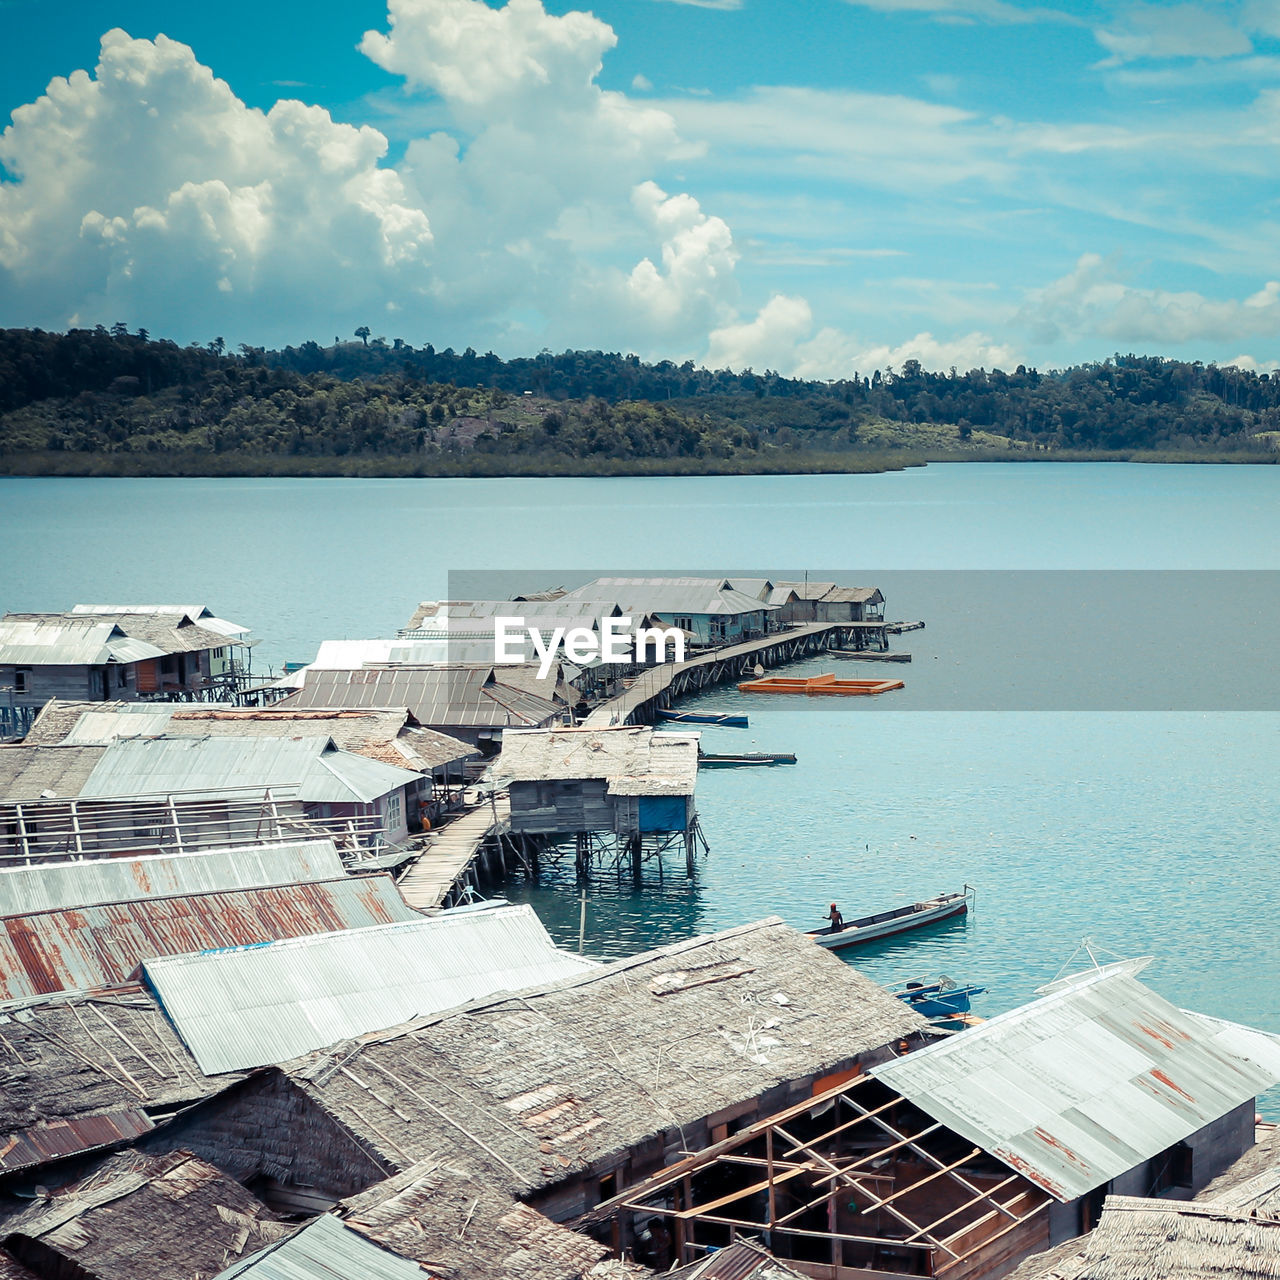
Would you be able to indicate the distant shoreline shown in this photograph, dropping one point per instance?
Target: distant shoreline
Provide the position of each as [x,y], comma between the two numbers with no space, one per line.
[472,466]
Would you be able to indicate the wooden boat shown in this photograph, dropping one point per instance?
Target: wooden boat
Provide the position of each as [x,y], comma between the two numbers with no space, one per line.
[944,998]
[869,655]
[886,923]
[818,686]
[745,758]
[704,717]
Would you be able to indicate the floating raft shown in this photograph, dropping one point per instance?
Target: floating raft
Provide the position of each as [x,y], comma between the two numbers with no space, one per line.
[867,655]
[823,685]
[704,717]
[744,759]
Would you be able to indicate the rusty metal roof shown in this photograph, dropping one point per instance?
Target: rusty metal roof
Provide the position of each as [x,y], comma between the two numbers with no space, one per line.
[50,886]
[83,948]
[45,1142]
[1086,1083]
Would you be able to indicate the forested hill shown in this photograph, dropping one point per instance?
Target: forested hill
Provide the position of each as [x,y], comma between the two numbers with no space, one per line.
[113,402]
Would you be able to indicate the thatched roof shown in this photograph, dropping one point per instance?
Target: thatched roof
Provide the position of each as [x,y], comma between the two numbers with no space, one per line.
[633,760]
[458,1225]
[1167,1240]
[1245,1181]
[538,1086]
[66,1063]
[139,1217]
[30,773]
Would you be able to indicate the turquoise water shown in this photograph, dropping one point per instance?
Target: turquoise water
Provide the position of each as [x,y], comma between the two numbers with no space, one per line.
[1154,831]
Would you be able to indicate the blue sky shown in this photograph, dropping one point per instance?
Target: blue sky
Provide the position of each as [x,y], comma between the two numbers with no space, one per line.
[844,184]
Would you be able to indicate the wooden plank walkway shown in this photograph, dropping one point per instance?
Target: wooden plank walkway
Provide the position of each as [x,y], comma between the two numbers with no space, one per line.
[655,682]
[445,861]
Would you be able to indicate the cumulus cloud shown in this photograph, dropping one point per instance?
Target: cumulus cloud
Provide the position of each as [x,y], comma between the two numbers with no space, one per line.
[781,338]
[149,192]
[153,172]
[1094,301]
[1172,31]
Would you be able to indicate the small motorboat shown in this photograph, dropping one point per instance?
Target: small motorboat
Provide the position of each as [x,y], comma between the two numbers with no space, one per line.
[744,759]
[943,998]
[704,717]
[886,923]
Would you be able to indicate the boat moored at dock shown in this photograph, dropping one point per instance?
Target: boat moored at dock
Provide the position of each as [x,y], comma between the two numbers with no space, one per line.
[704,717]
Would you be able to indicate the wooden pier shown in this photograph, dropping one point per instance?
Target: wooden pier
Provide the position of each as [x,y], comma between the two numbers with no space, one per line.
[441,873]
[659,687]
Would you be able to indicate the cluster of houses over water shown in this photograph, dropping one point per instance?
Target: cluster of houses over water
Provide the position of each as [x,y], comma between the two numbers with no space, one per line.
[245,1031]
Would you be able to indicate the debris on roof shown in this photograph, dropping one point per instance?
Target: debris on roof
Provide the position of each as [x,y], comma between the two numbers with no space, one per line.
[634,760]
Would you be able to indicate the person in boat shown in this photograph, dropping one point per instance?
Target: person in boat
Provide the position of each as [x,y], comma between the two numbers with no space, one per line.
[837,920]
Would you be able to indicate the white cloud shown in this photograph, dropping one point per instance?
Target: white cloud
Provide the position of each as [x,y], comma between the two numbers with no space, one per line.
[1172,31]
[151,193]
[960,10]
[781,338]
[710,4]
[1093,301]
[641,83]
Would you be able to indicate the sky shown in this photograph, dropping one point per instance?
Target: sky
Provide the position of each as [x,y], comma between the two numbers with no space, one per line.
[811,188]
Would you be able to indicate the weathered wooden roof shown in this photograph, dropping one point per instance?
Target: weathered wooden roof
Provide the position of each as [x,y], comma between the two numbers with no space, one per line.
[633,760]
[139,1217]
[448,1219]
[542,1084]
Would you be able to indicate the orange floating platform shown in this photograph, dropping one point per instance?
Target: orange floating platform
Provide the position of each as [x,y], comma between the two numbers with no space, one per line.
[819,685]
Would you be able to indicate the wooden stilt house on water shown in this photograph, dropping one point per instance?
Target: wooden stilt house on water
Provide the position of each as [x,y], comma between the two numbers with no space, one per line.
[964,1157]
[620,785]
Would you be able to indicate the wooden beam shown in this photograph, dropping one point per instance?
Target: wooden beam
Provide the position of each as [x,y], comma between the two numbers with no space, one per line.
[1004,1231]
[857,1120]
[697,1210]
[902,1217]
[920,1182]
[932,1159]
[880,1152]
[968,1204]
[812,1235]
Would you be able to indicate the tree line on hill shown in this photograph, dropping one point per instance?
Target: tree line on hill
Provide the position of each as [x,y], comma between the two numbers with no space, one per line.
[109,400]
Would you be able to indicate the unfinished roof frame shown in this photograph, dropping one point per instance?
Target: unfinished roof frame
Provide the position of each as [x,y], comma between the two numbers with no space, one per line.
[797,1179]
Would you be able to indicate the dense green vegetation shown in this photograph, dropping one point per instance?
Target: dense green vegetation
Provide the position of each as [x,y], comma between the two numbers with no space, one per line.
[110,402]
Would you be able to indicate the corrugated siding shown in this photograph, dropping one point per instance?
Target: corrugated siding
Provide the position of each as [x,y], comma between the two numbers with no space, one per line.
[56,885]
[269,1004]
[1082,1085]
[322,775]
[324,1250]
[87,947]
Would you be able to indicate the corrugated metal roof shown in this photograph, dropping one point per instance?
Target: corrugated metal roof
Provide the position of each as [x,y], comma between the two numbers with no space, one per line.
[635,760]
[198,613]
[44,1142]
[325,1249]
[59,640]
[669,596]
[260,1005]
[51,886]
[321,773]
[83,948]
[125,720]
[1083,1084]
[460,696]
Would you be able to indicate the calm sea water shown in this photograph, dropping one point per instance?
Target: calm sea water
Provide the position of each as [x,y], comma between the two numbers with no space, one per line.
[1153,831]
